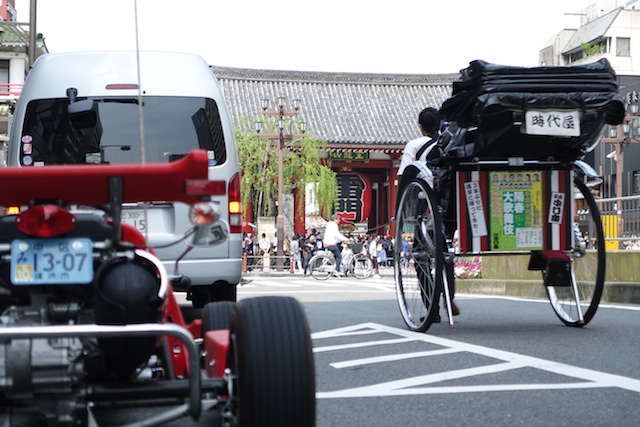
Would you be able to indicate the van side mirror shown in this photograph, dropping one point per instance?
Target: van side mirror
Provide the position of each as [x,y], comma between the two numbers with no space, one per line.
[83,114]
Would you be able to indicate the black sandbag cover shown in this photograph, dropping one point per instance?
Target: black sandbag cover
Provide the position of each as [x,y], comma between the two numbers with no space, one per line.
[489,100]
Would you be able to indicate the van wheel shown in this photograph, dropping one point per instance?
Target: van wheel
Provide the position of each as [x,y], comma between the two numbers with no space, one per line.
[223,291]
[217,292]
[198,298]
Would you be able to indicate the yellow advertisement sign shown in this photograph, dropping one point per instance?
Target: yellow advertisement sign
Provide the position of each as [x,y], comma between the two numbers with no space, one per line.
[516,208]
[610,228]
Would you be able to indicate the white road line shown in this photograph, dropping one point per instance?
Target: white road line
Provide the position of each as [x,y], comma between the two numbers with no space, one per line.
[360,345]
[317,291]
[460,389]
[391,358]
[278,284]
[364,329]
[411,386]
[320,335]
[356,285]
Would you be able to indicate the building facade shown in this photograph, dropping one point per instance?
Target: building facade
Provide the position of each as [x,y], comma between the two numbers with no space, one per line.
[14,65]
[366,120]
[608,29]
[8,10]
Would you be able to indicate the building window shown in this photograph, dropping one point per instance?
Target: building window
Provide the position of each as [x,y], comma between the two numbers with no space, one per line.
[4,71]
[576,56]
[623,46]
[603,46]
[636,182]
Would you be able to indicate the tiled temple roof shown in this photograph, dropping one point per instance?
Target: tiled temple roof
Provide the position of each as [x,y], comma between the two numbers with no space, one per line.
[355,109]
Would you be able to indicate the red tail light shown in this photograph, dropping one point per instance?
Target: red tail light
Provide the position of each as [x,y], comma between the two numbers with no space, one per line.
[45,221]
[235,205]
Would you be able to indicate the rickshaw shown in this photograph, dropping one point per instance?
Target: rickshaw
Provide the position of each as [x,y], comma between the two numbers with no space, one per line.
[506,177]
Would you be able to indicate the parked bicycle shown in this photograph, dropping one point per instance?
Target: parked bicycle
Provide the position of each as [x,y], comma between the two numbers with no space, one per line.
[360,266]
[323,265]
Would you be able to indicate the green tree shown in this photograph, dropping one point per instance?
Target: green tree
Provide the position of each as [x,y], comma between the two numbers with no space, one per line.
[302,165]
[591,49]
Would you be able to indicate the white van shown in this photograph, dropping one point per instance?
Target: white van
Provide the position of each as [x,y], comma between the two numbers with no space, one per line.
[182,109]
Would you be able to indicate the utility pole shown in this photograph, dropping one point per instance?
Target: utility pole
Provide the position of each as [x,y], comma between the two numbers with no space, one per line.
[31,49]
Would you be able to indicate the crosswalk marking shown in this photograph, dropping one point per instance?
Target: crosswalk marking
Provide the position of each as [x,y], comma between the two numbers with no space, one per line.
[375,285]
[423,384]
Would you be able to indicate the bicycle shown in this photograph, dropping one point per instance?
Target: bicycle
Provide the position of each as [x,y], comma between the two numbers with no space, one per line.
[323,265]
[360,266]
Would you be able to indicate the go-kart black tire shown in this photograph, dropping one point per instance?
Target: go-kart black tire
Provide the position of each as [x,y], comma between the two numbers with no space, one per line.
[216,316]
[271,357]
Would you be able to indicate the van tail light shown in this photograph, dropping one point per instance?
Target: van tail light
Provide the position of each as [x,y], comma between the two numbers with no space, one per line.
[45,221]
[235,205]
[12,210]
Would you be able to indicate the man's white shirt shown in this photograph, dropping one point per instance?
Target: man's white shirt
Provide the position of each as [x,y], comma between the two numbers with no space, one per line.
[410,151]
[332,235]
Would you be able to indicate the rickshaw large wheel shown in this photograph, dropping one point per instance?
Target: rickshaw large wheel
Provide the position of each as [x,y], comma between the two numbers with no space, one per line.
[271,363]
[322,266]
[418,271]
[587,270]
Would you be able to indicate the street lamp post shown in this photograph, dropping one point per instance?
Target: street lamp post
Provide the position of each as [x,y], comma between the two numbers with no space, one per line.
[620,136]
[280,109]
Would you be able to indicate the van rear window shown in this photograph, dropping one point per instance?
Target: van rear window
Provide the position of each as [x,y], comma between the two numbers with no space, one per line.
[107,130]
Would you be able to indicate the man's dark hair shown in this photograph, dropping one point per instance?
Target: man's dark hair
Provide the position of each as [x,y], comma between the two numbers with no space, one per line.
[429,119]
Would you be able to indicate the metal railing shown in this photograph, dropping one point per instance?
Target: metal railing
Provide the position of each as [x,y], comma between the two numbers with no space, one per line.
[620,220]
[268,263]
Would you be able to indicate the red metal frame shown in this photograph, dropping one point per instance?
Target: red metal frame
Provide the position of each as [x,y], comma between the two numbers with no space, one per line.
[185,180]
[181,181]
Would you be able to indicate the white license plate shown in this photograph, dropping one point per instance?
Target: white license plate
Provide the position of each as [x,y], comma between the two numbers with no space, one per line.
[552,122]
[51,261]
[135,218]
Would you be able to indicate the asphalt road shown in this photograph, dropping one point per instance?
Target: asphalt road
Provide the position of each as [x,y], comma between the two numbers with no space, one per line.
[507,362]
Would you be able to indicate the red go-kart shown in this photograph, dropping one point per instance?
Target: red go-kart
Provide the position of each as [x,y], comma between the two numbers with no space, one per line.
[89,321]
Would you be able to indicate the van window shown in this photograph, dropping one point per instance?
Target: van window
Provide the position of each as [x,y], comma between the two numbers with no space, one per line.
[173,126]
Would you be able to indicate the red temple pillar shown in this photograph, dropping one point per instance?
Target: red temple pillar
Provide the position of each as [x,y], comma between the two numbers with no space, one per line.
[393,190]
[299,226]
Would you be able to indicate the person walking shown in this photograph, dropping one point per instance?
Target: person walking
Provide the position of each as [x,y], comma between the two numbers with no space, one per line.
[286,251]
[404,254]
[347,255]
[373,254]
[308,251]
[248,251]
[265,251]
[295,252]
[382,254]
[264,244]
